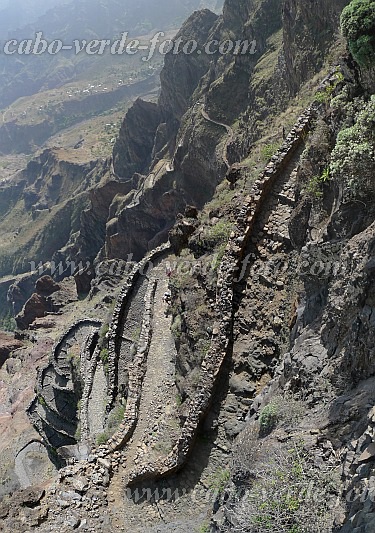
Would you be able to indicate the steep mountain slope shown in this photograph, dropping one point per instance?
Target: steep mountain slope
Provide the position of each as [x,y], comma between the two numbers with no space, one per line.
[81,20]
[186,164]
[259,308]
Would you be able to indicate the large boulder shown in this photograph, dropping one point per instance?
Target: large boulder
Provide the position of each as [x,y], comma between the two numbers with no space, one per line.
[35,307]
[45,286]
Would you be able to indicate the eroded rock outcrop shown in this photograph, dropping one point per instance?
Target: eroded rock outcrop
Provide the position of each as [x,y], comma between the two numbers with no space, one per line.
[133,148]
[49,298]
[7,345]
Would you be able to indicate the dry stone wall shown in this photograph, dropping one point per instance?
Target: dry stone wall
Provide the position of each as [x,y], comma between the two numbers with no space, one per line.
[212,365]
[71,331]
[52,409]
[89,358]
[230,267]
[137,373]
[115,328]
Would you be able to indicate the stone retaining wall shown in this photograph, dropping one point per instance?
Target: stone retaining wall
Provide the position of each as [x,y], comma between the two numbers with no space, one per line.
[212,365]
[53,365]
[72,329]
[57,347]
[115,328]
[137,373]
[230,267]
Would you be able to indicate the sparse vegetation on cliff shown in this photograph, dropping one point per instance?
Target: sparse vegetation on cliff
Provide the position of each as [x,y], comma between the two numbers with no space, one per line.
[269,394]
[287,493]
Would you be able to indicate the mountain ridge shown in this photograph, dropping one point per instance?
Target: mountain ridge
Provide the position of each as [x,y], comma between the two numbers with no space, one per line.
[252,285]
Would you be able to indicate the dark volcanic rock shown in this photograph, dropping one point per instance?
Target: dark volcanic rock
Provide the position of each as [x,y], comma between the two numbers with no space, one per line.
[180,233]
[182,72]
[133,148]
[299,223]
[45,286]
[7,345]
[35,307]
[316,25]
[30,497]
[49,297]
[141,220]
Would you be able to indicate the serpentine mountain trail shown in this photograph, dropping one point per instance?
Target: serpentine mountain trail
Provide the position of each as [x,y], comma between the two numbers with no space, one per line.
[270,238]
[229,131]
[155,425]
[179,399]
[134,487]
[272,224]
[97,401]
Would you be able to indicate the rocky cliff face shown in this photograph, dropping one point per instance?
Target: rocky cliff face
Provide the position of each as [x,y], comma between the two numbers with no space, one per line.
[163,191]
[186,158]
[186,164]
[133,148]
[270,302]
[321,396]
[169,154]
[316,24]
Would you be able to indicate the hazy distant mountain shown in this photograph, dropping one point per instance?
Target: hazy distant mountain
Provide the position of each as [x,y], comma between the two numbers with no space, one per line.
[17,13]
[22,75]
[78,19]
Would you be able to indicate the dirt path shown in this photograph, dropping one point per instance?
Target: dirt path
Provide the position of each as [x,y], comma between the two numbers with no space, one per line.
[269,251]
[229,131]
[97,402]
[158,398]
[157,424]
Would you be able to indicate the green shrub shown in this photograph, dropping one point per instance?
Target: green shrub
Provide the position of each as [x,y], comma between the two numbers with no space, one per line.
[77,434]
[104,355]
[202,347]
[324,96]
[41,400]
[268,151]
[217,235]
[219,256]
[218,480]
[353,158]
[75,361]
[321,97]
[314,186]
[136,334]
[358,27]
[115,418]
[104,330]
[282,410]
[176,327]
[7,323]
[102,438]
[269,416]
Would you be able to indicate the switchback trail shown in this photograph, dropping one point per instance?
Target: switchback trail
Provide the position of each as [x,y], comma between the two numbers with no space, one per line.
[229,131]
[157,424]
